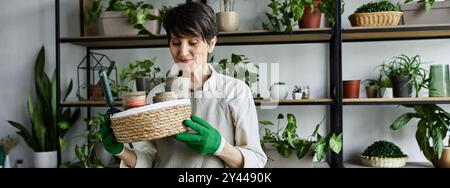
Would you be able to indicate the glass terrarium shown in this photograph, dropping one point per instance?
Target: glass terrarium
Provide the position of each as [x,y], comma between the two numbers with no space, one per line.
[92,64]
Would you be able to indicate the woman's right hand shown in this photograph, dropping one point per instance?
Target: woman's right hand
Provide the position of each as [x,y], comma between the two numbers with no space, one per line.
[108,139]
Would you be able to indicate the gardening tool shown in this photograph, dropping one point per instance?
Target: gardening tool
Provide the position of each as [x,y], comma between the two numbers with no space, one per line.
[108,95]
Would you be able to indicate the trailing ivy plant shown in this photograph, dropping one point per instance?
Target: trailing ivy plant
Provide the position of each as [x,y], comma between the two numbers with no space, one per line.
[289,141]
[381,6]
[328,7]
[432,128]
[383,149]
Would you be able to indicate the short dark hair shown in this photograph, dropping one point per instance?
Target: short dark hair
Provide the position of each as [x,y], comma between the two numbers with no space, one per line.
[191,19]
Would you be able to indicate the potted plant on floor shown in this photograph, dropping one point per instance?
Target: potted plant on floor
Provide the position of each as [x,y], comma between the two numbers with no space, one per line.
[383,154]
[426,12]
[372,14]
[92,154]
[227,18]
[43,137]
[432,128]
[289,142]
[405,73]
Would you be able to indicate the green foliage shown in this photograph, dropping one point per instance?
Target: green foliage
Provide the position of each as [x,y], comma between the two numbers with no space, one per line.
[383,149]
[433,126]
[289,141]
[285,15]
[42,112]
[137,12]
[328,7]
[381,81]
[404,65]
[381,6]
[238,67]
[135,70]
[428,4]
[86,152]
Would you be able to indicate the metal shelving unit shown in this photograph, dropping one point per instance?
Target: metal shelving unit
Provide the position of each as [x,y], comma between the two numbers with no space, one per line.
[333,36]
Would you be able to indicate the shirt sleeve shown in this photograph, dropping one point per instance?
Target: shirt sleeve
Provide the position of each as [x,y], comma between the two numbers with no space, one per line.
[247,138]
[146,155]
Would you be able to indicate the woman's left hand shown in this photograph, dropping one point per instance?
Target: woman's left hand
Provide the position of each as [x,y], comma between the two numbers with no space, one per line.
[206,141]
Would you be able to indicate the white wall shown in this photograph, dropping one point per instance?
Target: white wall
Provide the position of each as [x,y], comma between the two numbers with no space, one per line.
[26,25]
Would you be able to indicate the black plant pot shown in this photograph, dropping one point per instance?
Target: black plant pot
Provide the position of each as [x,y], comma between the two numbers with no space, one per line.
[402,86]
[141,83]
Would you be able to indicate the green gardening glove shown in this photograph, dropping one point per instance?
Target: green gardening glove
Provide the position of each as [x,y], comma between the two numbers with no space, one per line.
[108,139]
[206,141]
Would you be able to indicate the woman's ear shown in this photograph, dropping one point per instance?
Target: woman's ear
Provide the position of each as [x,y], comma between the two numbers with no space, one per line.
[212,44]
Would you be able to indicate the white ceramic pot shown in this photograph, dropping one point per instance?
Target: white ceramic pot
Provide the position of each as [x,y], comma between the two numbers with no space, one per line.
[228,21]
[298,96]
[48,159]
[278,91]
[386,92]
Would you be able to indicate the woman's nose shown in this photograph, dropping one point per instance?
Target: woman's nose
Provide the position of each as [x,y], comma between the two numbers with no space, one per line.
[184,50]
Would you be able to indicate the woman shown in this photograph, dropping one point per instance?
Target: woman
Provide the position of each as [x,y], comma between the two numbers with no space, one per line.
[225,125]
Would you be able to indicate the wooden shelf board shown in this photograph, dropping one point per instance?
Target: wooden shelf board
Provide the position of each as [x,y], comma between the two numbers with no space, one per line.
[294,102]
[227,38]
[428,100]
[396,32]
[408,165]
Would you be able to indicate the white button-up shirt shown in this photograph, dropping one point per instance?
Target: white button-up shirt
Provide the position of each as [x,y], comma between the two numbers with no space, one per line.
[225,103]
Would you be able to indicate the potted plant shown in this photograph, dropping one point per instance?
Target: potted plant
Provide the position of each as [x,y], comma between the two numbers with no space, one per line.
[7,144]
[425,12]
[405,73]
[42,137]
[372,88]
[289,142]
[383,154]
[297,93]
[92,154]
[432,128]
[328,8]
[124,18]
[227,18]
[279,90]
[351,88]
[372,14]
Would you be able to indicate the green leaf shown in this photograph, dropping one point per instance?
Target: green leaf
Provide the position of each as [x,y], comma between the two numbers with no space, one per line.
[438,146]
[68,90]
[25,135]
[63,125]
[266,123]
[402,120]
[283,149]
[302,147]
[321,147]
[62,144]
[422,140]
[39,129]
[336,143]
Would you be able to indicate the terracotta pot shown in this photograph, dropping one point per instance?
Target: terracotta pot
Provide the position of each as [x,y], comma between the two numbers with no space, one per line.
[96,92]
[444,161]
[351,88]
[311,20]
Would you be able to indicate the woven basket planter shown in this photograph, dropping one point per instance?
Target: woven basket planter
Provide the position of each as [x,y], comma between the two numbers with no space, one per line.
[383,162]
[375,19]
[151,122]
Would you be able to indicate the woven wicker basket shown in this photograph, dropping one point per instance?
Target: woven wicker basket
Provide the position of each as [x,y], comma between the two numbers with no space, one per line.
[151,122]
[374,19]
[383,162]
